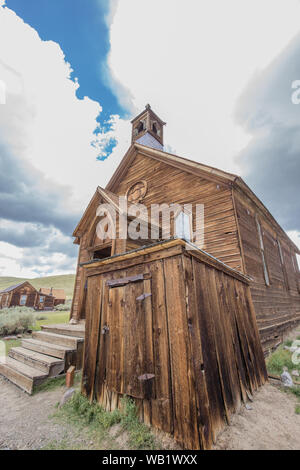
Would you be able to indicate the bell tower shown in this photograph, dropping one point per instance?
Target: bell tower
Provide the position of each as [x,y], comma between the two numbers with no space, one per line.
[147,129]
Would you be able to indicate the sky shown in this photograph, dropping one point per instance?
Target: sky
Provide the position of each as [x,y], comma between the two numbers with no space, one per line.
[74,73]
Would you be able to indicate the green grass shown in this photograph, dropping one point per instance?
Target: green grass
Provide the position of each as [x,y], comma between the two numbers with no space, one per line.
[50,318]
[13,343]
[56,382]
[81,413]
[277,361]
[65,282]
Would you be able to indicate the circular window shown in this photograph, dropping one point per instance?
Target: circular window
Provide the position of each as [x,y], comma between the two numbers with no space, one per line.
[137,192]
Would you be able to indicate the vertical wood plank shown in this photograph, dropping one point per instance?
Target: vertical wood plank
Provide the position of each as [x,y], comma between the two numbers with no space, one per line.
[199,376]
[184,402]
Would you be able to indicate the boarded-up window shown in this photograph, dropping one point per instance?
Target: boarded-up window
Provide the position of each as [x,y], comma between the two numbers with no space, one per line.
[262,251]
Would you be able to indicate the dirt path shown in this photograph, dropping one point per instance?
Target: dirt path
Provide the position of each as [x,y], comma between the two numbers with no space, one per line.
[26,423]
[24,419]
[271,424]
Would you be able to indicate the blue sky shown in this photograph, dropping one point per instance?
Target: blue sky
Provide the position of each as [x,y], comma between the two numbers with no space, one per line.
[219,73]
[80,27]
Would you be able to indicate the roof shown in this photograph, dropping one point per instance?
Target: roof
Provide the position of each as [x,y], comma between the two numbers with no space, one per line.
[57,293]
[190,166]
[9,289]
[164,244]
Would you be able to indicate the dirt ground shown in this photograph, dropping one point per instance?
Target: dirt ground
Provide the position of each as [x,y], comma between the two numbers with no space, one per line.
[24,419]
[26,422]
[271,424]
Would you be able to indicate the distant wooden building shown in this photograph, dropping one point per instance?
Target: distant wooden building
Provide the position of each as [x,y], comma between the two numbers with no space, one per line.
[237,231]
[59,295]
[23,295]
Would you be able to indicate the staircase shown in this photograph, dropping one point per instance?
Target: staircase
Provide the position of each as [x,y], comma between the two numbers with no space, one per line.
[48,353]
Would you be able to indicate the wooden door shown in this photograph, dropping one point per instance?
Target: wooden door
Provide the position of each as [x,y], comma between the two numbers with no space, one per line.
[127,328]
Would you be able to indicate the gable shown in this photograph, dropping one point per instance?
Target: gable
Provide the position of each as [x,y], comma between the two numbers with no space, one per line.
[166,183]
[188,166]
[169,184]
[196,169]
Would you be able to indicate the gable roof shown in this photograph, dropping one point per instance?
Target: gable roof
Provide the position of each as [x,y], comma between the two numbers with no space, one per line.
[190,166]
[57,293]
[11,288]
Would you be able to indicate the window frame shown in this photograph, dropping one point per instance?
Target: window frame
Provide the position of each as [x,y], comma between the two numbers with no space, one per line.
[283,267]
[188,215]
[262,252]
[21,296]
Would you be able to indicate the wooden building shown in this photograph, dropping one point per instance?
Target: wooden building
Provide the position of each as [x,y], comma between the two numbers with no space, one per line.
[238,229]
[59,295]
[25,295]
[247,245]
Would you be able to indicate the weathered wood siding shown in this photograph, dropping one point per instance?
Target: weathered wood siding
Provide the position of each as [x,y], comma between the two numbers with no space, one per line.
[167,184]
[196,333]
[277,305]
[78,302]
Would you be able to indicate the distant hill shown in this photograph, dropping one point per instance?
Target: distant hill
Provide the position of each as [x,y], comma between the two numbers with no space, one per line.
[65,281]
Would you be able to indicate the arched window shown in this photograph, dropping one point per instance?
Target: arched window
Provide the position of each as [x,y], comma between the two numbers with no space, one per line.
[141,126]
[183,226]
[154,128]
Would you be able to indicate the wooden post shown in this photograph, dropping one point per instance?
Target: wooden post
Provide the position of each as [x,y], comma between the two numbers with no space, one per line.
[70,377]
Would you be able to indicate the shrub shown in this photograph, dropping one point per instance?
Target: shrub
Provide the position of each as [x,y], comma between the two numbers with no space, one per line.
[16,320]
[64,307]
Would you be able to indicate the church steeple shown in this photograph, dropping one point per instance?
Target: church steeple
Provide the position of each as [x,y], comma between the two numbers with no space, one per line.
[147,129]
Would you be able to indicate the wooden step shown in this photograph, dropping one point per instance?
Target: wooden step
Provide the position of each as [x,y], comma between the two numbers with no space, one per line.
[49,349]
[21,374]
[65,329]
[61,340]
[50,365]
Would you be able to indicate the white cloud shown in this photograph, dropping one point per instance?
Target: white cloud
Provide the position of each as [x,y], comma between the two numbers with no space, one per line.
[43,122]
[191,60]
[45,139]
